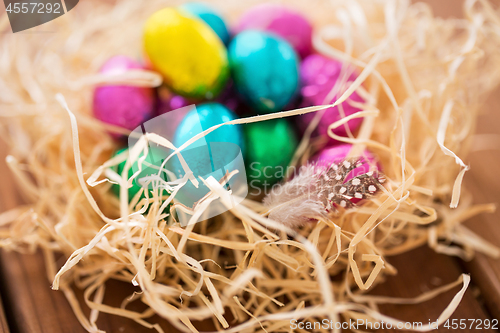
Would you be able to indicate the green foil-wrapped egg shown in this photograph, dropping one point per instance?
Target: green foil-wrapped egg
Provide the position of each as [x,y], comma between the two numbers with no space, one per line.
[187,52]
[270,146]
[265,69]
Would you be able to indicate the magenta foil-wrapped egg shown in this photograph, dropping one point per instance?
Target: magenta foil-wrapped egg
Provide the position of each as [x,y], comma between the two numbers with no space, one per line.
[122,105]
[319,76]
[282,21]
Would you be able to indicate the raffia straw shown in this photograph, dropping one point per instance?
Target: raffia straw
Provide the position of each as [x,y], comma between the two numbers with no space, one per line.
[423,80]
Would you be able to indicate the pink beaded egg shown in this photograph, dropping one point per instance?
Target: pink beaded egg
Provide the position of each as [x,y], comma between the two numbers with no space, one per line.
[319,76]
[282,21]
[123,105]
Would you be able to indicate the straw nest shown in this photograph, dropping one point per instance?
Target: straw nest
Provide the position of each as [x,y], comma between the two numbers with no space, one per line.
[423,78]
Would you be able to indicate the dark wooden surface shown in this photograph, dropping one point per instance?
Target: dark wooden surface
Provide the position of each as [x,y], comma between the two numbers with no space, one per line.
[484,183]
[4,326]
[35,308]
[422,270]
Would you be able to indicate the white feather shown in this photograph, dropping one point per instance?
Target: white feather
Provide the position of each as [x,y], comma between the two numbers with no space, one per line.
[296,201]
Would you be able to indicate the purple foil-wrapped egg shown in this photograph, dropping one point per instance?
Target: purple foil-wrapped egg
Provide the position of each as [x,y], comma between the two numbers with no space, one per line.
[122,105]
[230,98]
[168,101]
[319,76]
[281,20]
[167,105]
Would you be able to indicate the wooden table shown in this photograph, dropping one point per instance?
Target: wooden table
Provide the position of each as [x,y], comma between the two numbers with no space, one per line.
[28,305]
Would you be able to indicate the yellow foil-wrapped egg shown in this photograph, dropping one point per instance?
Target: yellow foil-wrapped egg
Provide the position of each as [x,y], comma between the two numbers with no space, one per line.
[186,51]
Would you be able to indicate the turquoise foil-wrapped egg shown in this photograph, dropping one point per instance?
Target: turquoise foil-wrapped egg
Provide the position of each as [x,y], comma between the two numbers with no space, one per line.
[202,118]
[212,155]
[265,70]
[211,17]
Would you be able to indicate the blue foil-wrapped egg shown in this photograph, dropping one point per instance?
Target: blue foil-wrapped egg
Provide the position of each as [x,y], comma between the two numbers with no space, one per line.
[265,70]
[211,17]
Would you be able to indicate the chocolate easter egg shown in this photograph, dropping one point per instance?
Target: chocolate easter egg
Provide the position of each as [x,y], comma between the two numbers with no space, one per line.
[122,105]
[187,52]
[265,70]
[281,20]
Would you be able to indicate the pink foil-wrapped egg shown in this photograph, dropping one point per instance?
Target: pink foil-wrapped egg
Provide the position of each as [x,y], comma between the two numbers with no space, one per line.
[338,153]
[282,21]
[122,105]
[319,76]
